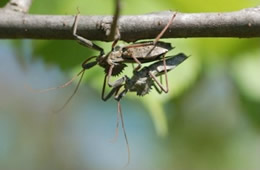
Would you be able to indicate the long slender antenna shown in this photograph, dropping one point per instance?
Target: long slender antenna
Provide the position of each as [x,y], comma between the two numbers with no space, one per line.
[53,88]
[76,89]
[123,127]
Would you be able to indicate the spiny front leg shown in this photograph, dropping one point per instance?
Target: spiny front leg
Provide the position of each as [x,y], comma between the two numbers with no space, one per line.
[83,41]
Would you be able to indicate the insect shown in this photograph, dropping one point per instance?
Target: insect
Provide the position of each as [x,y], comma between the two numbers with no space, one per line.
[115,60]
[142,82]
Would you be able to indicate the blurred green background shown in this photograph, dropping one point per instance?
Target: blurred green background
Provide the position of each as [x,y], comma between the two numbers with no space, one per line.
[210,119]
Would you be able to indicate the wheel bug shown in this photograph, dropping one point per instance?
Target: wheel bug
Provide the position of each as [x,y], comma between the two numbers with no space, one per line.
[114,61]
[141,82]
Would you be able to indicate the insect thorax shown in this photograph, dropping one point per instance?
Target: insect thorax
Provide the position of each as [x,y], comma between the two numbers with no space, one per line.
[143,87]
[140,82]
[113,58]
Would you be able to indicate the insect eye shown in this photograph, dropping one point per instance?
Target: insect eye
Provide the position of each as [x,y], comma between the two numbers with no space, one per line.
[123,49]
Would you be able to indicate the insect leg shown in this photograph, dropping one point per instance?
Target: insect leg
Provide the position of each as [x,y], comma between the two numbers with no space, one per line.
[161,79]
[114,31]
[161,33]
[114,91]
[159,84]
[138,45]
[85,65]
[109,74]
[157,89]
[164,29]
[139,64]
[116,86]
[135,59]
[104,89]
[165,89]
[83,41]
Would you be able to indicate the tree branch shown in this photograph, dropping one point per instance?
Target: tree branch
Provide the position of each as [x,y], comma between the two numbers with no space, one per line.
[243,24]
[18,5]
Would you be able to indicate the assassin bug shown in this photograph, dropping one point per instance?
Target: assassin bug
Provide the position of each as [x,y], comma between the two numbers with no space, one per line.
[114,61]
[141,82]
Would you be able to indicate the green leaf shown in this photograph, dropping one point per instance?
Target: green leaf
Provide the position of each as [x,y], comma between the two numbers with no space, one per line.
[65,54]
[3,2]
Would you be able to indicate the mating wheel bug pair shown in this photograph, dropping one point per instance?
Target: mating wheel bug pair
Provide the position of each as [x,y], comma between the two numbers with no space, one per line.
[114,61]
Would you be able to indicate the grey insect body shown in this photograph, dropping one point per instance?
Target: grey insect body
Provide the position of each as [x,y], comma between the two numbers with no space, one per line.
[142,81]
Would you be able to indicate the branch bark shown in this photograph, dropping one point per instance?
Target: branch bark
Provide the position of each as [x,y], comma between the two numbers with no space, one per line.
[242,24]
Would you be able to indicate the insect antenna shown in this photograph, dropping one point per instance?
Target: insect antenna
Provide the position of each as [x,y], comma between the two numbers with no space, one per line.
[54,88]
[123,127]
[74,92]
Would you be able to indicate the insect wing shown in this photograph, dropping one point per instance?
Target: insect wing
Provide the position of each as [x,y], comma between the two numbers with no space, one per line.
[146,51]
[171,63]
